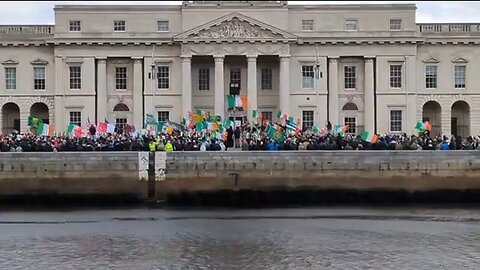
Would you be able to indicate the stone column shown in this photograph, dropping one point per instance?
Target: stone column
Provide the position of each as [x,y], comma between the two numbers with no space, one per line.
[186,85]
[137,93]
[219,98]
[333,91]
[252,85]
[446,120]
[369,96]
[59,102]
[284,95]
[101,89]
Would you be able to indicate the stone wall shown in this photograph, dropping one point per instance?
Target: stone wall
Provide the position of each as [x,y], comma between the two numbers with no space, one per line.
[118,173]
[358,170]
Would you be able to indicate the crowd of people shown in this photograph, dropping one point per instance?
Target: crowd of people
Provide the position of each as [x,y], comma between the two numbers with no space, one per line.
[243,138]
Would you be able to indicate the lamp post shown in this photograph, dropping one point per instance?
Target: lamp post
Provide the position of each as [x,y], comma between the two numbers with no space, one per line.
[318,75]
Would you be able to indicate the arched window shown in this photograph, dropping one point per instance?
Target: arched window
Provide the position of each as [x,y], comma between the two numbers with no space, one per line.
[120,107]
[350,107]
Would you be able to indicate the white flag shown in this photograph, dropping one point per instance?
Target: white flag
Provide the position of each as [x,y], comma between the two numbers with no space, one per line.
[110,128]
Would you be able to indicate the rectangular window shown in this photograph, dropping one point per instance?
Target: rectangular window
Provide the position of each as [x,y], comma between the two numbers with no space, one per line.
[395,120]
[235,76]
[120,124]
[307,76]
[307,120]
[395,24]
[351,25]
[204,79]
[121,78]
[163,116]
[75,77]
[351,122]
[395,76]
[266,79]
[39,78]
[119,26]
[267,116]
[460,73]
[350,77]
[307,25]
[74,26]
[163,77]
[10,78]
[76,118]
[431,77]
[162,26]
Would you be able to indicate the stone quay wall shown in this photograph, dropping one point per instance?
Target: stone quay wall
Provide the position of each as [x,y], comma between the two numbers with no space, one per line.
[117,173]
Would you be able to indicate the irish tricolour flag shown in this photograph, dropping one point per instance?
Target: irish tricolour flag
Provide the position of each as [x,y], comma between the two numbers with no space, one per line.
[422,127]
[369,137]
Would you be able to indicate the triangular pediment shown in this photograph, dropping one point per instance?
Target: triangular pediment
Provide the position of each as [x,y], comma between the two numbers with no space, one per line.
[10,62]
[235,26]
[431,60]
[460,60]
[39,61]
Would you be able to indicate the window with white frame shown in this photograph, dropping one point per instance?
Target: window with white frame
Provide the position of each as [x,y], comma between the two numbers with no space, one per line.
[307,76]
[119,26]
[431,77]
[204,79]
[162,26]
[307,120]
[266,79]
[396,76]
[351,123]
[121,78]
[395,24]
[235,76]
[74,26]
[395,120]
[75,77]
[163,116]
[350,77]
[163,77]
[267,116]
[460,74]
[120,124]
[39,78]
[307,25]
[10,78]
[351,24]
[76,118]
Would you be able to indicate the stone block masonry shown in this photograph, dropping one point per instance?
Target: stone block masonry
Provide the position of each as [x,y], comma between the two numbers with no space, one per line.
[164,175]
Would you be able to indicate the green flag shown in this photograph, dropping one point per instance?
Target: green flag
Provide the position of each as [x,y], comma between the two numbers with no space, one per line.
[279,114]
[255,114]
[70,128]
[30,121]
[184,121]
[315,129]
[231,101]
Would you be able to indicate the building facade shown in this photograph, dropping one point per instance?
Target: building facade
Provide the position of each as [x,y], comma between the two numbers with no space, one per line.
[369,66]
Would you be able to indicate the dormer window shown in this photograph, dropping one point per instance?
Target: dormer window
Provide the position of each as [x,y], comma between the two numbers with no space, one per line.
[395,24]
[162,26]
[119,26]
[74,26]
[351,25]
[307,25]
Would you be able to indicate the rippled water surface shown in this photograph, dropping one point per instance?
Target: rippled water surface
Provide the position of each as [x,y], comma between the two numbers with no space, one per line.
[305,238]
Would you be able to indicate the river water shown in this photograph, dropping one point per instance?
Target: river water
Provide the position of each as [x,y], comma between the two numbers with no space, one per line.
[294,238]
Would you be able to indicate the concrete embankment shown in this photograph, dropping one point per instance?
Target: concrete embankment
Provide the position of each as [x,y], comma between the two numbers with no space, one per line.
[255,178]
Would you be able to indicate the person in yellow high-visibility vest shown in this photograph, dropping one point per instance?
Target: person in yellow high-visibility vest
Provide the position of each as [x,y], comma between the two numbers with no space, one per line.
[153,146]
[169,146]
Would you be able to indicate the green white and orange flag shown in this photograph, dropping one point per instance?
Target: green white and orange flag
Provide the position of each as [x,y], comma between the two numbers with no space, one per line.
[422,127]
[369,137]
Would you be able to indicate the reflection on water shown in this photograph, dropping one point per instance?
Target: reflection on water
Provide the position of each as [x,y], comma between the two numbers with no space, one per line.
[308,238]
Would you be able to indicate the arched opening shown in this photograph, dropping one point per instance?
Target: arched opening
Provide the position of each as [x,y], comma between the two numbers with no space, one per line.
[40,110]
[461,119]
[349,112]
[120,117]
[432,112]
[11,117]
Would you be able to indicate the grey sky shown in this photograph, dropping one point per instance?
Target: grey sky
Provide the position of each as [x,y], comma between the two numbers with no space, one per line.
[42,12]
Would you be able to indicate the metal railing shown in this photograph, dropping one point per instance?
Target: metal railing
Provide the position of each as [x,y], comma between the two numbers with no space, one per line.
[27,29]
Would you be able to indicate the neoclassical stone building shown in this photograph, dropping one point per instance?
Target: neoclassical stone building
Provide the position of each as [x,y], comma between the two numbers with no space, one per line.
[370,66]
